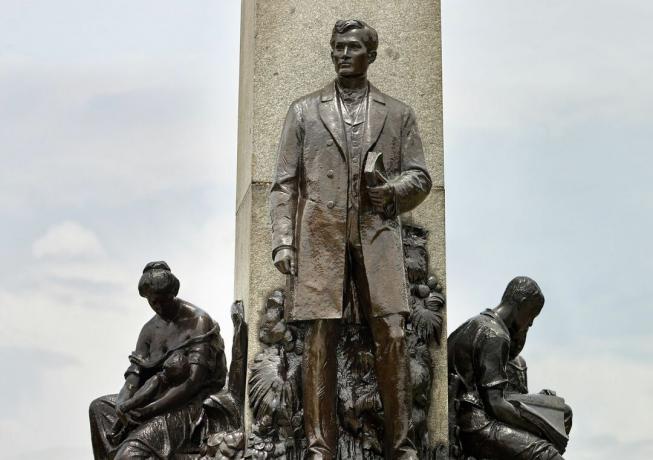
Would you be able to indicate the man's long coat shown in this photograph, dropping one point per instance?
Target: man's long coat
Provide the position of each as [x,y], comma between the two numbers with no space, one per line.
[309,201]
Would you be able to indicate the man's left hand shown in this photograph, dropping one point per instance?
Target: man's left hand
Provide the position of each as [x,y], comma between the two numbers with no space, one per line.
[381,196]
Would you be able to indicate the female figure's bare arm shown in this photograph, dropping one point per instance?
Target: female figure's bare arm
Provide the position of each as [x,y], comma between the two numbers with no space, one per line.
[133,373]
[175,396]
[199,372]
[143,395]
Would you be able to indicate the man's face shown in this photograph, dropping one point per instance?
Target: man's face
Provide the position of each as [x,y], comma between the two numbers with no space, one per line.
[524,318]
[517,342]
[350,55]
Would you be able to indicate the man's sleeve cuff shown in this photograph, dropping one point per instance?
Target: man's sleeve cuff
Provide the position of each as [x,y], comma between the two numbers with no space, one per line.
[392,209]
[279,248]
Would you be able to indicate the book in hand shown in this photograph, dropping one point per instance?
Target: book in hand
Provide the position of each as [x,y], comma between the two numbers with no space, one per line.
[547,413]
[373,170]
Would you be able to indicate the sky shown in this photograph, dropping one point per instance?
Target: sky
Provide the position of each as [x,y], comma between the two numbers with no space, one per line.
[118,138]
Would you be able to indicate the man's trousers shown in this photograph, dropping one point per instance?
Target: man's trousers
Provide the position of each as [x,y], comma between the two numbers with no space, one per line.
[391,366]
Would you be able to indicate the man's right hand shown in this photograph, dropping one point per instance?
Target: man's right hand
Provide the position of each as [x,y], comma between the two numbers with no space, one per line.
[284,260]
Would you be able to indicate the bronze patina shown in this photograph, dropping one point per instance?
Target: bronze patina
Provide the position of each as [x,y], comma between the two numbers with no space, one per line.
[178,363]
[332,229]
[491,415]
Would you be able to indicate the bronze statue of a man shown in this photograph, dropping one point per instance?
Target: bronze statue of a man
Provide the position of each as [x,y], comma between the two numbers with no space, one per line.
[333,225]
[491,424]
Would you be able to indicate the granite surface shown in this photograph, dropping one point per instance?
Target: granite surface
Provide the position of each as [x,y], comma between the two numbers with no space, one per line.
[284,55]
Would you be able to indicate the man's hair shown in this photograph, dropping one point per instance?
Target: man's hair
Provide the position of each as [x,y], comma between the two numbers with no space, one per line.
[157,279]
[370,37]
[520,290]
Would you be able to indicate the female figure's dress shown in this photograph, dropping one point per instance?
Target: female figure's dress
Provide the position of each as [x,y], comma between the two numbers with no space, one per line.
[175,431]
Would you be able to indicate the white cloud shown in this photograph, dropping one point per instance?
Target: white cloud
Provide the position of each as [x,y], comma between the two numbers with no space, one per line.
[68,239]
[131,137]
[514,66]
[92,327]
[133,130]
[90,310]
[110,141]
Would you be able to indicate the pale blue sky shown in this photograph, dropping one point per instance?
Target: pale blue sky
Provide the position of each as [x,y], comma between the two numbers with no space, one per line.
[117,140]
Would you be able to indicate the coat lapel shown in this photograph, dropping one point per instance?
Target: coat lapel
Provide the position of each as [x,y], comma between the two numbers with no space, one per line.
[375,117]
[331,117]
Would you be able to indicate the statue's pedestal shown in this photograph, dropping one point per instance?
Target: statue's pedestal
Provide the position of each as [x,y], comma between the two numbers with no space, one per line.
[285,54]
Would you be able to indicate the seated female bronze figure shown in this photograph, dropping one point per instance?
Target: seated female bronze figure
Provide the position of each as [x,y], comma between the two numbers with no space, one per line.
[168,424]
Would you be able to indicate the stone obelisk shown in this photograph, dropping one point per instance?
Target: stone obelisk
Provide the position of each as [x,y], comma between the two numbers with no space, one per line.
[285,54]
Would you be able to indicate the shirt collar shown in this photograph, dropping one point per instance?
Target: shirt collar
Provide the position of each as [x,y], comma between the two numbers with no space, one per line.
[492,314]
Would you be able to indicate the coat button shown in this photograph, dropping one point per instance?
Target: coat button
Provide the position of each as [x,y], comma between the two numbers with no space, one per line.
[330,173]
[330,142]
[330,204]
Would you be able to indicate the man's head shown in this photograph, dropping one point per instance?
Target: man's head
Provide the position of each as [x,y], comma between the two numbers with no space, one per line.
[523,300]
[353,47]
[159,286]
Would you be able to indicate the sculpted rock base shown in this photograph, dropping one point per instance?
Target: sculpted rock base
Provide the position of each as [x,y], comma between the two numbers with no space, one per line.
[276,380]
